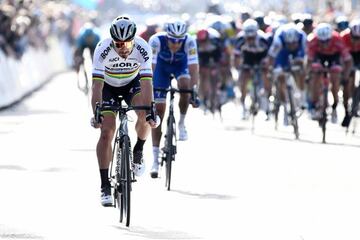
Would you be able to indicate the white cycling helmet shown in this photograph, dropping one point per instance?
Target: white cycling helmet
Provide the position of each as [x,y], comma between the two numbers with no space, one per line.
[176,29]
[122,29]
[323,31]
[355,27]
[291,34]
[250,28]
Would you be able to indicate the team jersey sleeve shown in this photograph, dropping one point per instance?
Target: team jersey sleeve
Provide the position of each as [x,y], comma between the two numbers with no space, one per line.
[343,50]
[238,43]
[191,51]
[303,46]
[98,65]
[275,47]
[145,70]
[154,43]
[311,48]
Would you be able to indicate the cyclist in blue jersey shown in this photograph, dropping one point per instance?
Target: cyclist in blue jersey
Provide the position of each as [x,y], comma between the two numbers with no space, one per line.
[288,49]
[89,36]
[174,53]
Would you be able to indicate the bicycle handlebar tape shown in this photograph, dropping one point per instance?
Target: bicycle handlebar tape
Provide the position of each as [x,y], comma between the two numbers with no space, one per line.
[97,113]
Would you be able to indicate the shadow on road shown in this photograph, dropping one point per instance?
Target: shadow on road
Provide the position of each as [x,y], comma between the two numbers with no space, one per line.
[204,195]
[307,141]
[155,233]
[12,167]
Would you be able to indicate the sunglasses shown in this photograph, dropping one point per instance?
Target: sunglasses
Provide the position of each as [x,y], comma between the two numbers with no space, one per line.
[126,44]
[176,40]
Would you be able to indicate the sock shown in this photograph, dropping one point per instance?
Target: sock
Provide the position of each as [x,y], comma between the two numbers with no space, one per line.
[182,119]
[156,152]
[303,95]
[334,106]
[104,177]
[139,145]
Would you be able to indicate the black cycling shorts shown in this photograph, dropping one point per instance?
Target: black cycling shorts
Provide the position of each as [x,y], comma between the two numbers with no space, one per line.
[332,60]
[251,58]
[356,58]
[110,94]
[206,57]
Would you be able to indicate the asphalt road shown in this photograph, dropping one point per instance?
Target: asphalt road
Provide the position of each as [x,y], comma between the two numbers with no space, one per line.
[228,183]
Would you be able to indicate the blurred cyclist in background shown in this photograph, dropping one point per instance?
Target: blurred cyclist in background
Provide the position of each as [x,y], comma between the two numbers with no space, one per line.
[259,17]
[288,50]
[308,23]
[326,45]
[210,52]
[342,23]
[174,53]
[351,38]
[251,49]
[89,36]
[151,29]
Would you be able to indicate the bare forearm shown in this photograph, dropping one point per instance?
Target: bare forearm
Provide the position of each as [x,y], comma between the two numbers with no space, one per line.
[147,91]
[96,93]
[194,74]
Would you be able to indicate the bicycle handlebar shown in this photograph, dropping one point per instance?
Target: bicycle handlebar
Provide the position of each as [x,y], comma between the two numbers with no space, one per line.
[120,108]
[171,89]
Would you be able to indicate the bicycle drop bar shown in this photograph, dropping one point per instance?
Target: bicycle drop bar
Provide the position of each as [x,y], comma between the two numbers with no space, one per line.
[119,108]
[171,89]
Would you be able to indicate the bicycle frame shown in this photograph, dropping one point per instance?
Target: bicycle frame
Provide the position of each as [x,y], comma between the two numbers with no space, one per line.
[124,176]
[256,84]
[170,137]
[325,81]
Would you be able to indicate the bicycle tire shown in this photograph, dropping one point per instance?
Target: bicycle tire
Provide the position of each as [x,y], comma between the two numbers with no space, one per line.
[125,181]
[277,104]
[169,154]
[293,116]
[324,115]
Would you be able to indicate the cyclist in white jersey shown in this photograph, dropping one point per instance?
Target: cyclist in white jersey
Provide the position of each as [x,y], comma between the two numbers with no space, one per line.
[121,66]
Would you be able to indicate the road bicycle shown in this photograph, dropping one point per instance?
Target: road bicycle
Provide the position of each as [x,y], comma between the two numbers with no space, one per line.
[255,92]
[324,102]
[170,143]
[121,174]
[290,90]
[85,62]
[354,111]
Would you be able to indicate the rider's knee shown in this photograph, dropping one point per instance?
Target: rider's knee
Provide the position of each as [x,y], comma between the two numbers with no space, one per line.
[316,67]
[107,134]
[336,69]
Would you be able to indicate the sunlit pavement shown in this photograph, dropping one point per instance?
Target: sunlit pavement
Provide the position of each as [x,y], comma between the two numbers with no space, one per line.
[228,183]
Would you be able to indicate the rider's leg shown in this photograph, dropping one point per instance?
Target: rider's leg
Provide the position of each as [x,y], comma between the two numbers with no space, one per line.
[103,148]
[300,81]
[348,85]
[243,81]
[335,74]
[205,84]
[183,83]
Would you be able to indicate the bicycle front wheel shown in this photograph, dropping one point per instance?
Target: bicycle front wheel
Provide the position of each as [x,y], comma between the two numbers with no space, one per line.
[125,181]
[170,151]
[324,115]
[294,120]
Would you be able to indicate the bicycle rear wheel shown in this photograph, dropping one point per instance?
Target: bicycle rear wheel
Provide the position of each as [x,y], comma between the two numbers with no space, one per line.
[125,182]
[169,150]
